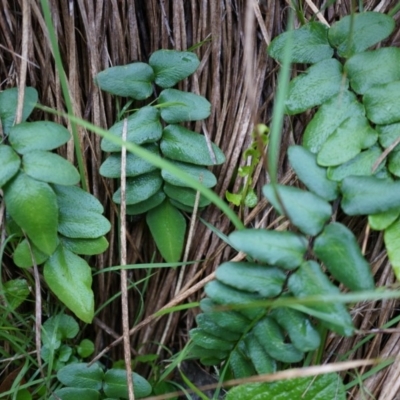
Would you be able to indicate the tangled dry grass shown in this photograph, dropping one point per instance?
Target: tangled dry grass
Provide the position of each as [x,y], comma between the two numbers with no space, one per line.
[239,79]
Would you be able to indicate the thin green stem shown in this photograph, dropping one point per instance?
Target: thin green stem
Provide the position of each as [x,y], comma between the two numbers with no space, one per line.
[64,87]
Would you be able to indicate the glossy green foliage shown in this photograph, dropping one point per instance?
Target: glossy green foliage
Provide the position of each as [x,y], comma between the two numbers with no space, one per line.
[328,386]
[160,194]
[306,210]
[308,44]
[338,249]
[15,292]
[85,380]
[53,219]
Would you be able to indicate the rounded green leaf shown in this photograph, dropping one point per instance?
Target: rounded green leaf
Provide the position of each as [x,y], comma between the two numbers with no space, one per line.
[388,134]
[394,163]
[71,393]
[311,174]
[16,292]
[328,118]
[115,384]
[199,174]
[8,106]
[339,251]
[228,296]
[263,363]
[178,106]
[299,328]
[171,66]
[204,339]
[353,135]
[327,386]
[181,144]
[365,195]
[281,248]
[381,102]
[168,228]
[271,338]
[82,224]
[264,280]
[356,32]
[87,247]
[185,196]
[61,326]
[209,326]
[38,135]
[371,68]
[131,80]
[33,206]
[315,86]
[24,252]
[140,188]
[146,205]
[309,44]
[309,280]
[49,167]
[305,210]
[240,365]
[71,198]
[359,165]
[81,375]
[392,240]
[85,348]
[10,163]
[383,220]
[143,126]
[111,167]
[70,279]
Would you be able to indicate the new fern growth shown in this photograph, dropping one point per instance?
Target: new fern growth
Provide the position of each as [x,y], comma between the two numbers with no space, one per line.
[157,127]
[346,155]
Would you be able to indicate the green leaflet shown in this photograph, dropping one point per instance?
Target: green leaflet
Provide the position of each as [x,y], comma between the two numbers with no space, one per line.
[178,106]
[309,280]
[281,248]
[140,188]
[38,135]
[271,338]
[80,375]
[365,195]
[171,66]
[146,205]
[305,210]
[75,393]
[115,384]
[350,137]
[371,68]
[206,340]
[186,196]
[338,249]
[299,328]
[382,220]
[16,292]
[392,238]
[388,134]
[49,167]
[23,256]
[361,164]
[212,328]
[70,279]
[168,228]
[181,144]
[111,167]
[10,163]
[263,363]
[309,44]
[8,106]
[201,174]
[143,127]
[311,174]
[33,206]
[314,87]
[355,33]
[318,387]
[380,103]
[329,117]
[86,247]
[240,364]
[254,278]
[132,80]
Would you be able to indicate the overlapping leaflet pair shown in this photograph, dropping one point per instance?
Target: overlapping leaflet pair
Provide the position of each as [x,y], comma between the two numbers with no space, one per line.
[156,128]
[51,220]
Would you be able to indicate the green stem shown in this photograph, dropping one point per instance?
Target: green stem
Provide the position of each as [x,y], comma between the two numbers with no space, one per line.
[394,10]
[64,87]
